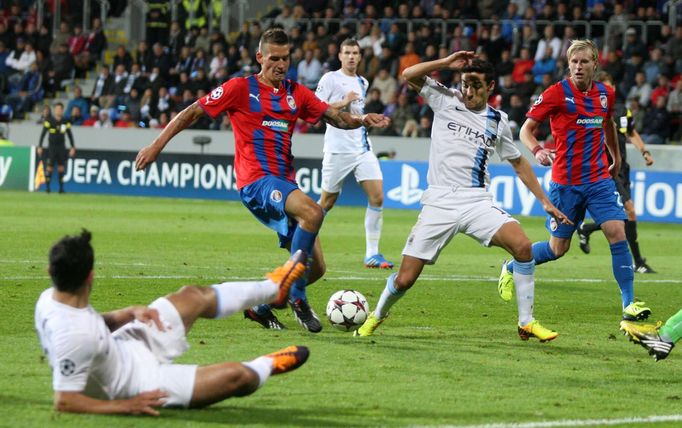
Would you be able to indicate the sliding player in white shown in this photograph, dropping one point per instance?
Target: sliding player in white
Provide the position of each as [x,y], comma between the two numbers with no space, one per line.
[465,134]
[350,150]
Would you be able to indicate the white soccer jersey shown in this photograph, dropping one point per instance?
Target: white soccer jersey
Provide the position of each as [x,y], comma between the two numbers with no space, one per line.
[82,352]
[333,87]
[462,141]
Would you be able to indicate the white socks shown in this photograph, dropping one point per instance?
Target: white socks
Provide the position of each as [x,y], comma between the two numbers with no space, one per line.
[234,297]
[374,220]
[263,368]
[524,281]
[388,297]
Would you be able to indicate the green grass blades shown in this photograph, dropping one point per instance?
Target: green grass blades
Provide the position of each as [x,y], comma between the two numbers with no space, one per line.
[448,355]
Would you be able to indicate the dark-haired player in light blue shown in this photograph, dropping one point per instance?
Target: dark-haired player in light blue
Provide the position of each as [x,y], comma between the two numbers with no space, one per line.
[263,109]
[580,111]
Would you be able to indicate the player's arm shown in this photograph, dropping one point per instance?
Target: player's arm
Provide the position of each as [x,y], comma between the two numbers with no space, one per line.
[40,140]
[345,102]
[183,120]
[118,318]
[527,136]
[345,120]
[525,172]
[637,141]
[612,145]
[76,402]
[72,150]
[416,74]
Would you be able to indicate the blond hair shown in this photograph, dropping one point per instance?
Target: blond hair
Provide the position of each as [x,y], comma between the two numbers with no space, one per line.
[583,44]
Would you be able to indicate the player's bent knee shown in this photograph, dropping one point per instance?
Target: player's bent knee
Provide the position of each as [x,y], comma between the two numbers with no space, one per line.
[522,251]
[404,282]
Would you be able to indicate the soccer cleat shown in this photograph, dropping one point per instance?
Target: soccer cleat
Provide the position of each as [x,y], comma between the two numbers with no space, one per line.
[584,239]
[286,275]
[647,336]
[306,316]
[505,285]
[370,324]
[378,261]
[288,359]
[534,329]
[636,311]
[643,268]
[267,320]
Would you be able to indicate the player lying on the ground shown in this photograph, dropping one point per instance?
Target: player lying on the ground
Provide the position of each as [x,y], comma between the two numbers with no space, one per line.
[658,339]
[466,133]
[122,361]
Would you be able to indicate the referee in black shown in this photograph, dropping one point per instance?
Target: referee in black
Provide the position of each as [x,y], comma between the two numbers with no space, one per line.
[58,128]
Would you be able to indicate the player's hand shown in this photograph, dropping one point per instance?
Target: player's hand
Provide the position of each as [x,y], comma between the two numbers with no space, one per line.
[147,315]
[72,152]
[146,156]
[648,159]
[375,120]
[557,214]
[545,157]
[39,151]
[459,59]
[350,97]
[146,402]
[614,168]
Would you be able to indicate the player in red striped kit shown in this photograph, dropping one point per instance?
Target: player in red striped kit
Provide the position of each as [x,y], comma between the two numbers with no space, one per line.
[263,109]
[580,110]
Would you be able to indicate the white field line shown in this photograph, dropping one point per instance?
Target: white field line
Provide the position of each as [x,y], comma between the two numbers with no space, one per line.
[653,419]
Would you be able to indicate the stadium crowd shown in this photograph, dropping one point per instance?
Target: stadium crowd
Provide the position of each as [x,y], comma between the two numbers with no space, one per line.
[182,60]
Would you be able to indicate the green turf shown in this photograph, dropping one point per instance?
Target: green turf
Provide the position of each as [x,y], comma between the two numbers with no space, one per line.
[449,354]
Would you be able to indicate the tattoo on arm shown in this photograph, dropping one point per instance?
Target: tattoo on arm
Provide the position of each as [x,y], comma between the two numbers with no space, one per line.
[341,119]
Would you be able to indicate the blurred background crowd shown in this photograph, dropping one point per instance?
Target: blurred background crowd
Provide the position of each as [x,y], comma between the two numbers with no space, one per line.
[145,83]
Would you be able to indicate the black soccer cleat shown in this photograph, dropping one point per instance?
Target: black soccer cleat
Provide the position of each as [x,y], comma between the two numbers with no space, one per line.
[268,320]
[643,267]
[584,239]
[306,316]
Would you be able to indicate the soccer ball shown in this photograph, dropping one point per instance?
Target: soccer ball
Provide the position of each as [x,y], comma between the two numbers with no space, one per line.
[347,310]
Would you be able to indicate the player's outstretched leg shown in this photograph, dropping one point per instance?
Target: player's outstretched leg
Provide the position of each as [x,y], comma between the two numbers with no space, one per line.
[217,382]
[648,336]
[388,297]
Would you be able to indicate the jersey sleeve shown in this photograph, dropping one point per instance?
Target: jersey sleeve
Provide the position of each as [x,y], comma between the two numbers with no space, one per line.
[506,148]
[312,108]
[325,88]
[224,98]
[546,104]
[436,94]
[73,356]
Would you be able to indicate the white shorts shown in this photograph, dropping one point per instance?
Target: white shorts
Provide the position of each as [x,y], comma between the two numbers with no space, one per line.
[152,352]
[468,211]
[336,166]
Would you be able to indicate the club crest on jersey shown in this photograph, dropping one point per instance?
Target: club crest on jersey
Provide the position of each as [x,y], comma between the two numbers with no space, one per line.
[276,196]
[538,101]
[603,100]
[291,102]
[217,93]
[553,225]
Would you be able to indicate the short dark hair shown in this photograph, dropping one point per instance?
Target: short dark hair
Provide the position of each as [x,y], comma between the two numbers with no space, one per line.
[274,36]
[58,104]
[71,260]
[478,65]
[349,42]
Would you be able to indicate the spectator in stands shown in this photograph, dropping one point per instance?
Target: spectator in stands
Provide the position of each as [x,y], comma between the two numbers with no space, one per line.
[387,86]
[183,63]
[632,66]
[76,116]
[4,53]
[505,65]
[662,88]
[102,92]
[655,66]
[136,79]
[638,114]
[388,60]
[76,43]
[408,59]
[200,83]
[458,41]
[495,44]
[93,118]
[373,103]
[245,64]
[369,66]
[28,92]
[143,57]
[569,36]
[529,39]
[374,40]
[63,65]
[176,40]
[6,37]
[402,115]
[103,120]
[97,41]
[44,39]
[160,59]
[617,26]
[517,109]
[203,40]
[78,100]
[125,120]
[523,64]
[634,44]
[546,65]
[285,18]
[674,50]
[156,80]
[19,60]
[122,56]
[615,67]
[199,62]
[132,103]
[31,34]
[217,41]
[424,129]
[641,90]
[62,37]
[120,83]
[657,123]
[526,88]
[511,19]
[309,70]
[218,62]
[549,41]
[674,107]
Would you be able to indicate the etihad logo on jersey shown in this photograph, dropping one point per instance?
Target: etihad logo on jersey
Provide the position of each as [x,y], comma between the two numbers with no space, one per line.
[590,122]
[277,125]
[471,134]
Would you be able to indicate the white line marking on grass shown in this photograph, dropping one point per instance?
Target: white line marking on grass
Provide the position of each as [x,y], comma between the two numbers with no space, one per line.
[575,422]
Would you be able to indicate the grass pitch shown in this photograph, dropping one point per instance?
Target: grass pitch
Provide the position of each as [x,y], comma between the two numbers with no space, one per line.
[448,355]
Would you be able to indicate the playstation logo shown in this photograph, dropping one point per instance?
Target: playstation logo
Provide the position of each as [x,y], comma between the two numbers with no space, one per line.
[408,192]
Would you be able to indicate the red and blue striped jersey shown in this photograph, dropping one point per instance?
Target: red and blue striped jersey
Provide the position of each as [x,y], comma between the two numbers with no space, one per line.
[577,121]
[263,119]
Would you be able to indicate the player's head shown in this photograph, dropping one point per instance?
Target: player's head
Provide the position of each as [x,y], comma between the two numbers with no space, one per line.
[582,62]
[478,81]
[71,262]
[350,55]
[58,110]
[273,55]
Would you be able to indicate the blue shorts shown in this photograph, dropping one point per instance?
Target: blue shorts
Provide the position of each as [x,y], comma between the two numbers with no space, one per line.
[601,199]
[265,198]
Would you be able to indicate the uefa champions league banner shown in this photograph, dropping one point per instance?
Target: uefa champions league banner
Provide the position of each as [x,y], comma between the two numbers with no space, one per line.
[657,195]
